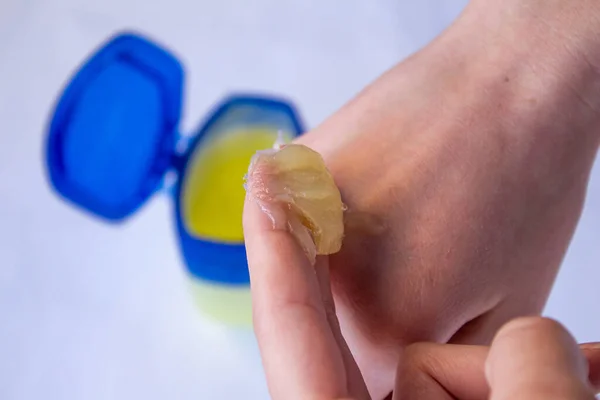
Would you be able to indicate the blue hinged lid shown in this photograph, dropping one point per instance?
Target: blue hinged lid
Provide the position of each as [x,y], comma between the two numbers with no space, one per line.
[113,131]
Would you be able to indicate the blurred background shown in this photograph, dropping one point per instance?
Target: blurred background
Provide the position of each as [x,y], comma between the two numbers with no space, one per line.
[93,311]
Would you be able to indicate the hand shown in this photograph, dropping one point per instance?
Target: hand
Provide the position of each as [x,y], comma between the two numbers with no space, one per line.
[529,359]
[475,153]
[306,357]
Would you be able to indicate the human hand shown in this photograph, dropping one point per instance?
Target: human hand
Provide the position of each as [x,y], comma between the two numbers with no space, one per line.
[475,152]
[530,358]
[306,357]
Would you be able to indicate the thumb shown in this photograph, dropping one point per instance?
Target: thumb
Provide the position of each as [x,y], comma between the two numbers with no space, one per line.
[536,358]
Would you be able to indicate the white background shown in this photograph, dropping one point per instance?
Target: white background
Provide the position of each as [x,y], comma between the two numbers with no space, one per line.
[90,311]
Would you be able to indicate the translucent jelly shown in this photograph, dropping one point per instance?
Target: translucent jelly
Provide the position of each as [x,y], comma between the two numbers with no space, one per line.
[294,188]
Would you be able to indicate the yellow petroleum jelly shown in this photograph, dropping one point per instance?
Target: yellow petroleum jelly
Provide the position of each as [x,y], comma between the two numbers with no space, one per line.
[212,204]
[213,196]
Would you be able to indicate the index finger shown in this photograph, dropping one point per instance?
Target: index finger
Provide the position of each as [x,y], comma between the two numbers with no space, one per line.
[299,351]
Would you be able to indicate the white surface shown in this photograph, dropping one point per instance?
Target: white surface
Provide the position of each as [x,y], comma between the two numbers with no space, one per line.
[90,311]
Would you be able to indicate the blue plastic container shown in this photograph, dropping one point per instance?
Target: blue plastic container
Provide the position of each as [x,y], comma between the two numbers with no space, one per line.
[114,135]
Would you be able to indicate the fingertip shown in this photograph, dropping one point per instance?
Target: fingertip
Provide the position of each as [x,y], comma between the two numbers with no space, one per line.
[530,325]
[253,218]
[536,356]
[537,340]
[278,267]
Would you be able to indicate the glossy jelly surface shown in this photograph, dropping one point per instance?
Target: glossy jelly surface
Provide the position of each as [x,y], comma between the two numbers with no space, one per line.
[292,185]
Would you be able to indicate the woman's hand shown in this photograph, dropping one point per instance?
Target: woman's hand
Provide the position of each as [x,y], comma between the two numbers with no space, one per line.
[475,154]
[306,357]
[529,359]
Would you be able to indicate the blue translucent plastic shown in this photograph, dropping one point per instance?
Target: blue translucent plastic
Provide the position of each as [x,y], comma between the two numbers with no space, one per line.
[114,129]
[113,134]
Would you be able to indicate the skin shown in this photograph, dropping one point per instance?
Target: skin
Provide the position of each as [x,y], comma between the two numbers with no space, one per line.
[306,357]
[476,151]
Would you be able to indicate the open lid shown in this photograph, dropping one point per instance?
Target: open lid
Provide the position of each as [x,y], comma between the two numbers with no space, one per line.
[113,132]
